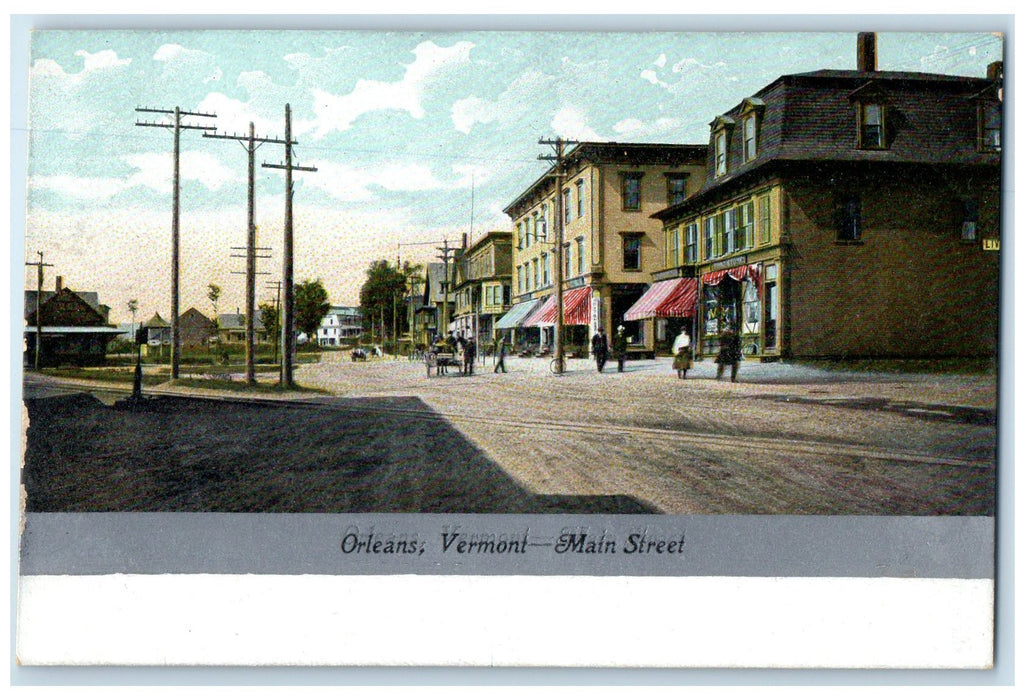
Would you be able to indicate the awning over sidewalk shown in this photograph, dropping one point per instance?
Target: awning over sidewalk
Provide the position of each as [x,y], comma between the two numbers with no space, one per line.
[576,309]
[545,311]
[668,298]
[738,273]
[515,316]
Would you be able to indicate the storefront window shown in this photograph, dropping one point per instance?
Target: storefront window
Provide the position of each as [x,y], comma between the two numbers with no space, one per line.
[752,307]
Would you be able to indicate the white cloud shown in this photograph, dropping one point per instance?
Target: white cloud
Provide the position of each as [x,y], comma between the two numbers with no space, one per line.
[570,122]
[153,171]
[660,61]
[101,60]
[233,116]
[179,60]
[652,77]
[82,188]
[662,127]
[473,110]
[338,112]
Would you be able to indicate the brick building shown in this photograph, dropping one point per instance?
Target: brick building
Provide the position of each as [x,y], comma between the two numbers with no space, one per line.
[848,213]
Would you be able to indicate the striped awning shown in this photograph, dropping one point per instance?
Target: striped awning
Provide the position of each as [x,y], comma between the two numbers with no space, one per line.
[683,302]
[738,273]
[576,309]
[668,298]
[515,316]
[544,315]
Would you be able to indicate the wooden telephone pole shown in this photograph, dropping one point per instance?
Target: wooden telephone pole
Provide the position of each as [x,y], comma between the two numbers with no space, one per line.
[176,127]
[39,302]
[288,309]
[250,143]
[560,145]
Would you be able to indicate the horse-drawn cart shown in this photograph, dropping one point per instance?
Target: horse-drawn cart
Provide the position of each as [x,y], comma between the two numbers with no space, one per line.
[439,360]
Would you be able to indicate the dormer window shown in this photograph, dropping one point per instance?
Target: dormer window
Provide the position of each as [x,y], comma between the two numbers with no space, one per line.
[872,131]
[721,138]
[720,154]
[750,138]
[872,103]
[750,120]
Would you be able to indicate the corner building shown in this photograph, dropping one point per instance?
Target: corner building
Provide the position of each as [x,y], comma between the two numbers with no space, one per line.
[610,243]
[848,214]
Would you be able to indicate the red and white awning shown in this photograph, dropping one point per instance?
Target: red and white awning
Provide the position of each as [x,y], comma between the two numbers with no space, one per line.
[738,273]
[576,309]
[668,298]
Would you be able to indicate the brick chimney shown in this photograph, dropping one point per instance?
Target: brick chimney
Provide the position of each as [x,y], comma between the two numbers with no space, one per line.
[867,52]
[60,284]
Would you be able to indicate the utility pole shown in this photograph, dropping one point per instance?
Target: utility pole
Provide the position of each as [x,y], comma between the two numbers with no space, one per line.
[287,316]
[559,145]
[443,325]
[39,302]
[250,143]
[177,126]
[277,314]
[410,282]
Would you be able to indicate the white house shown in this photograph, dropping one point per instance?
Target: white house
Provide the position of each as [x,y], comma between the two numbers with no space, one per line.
[341,323]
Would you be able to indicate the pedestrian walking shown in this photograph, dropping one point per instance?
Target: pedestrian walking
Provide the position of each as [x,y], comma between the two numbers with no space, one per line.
[619,347]
[729,354]
[469,353]
[500,356]
[600,348]
[681,354]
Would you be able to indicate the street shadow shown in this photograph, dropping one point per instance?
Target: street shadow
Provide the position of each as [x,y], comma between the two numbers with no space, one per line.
[367,455]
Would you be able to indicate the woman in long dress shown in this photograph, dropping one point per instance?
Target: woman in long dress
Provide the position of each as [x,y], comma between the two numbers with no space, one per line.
[681,354]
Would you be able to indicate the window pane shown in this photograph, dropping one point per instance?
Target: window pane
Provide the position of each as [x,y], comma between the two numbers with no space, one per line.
[676,189]
[632,252]
[632,191]
[750,144]
[849,224]
[720,154]
[872,126]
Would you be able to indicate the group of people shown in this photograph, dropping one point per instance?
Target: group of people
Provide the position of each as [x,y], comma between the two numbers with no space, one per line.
[729,352]
[600,348]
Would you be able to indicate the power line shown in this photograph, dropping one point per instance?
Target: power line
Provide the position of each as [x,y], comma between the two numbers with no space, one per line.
[250,143]
[176,127]
[287,319]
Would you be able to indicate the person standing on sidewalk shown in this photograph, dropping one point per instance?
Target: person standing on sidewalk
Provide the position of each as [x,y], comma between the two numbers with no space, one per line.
[500,356]
[619,347]
[729,354]
[469,354]
[681,354]
[600,348]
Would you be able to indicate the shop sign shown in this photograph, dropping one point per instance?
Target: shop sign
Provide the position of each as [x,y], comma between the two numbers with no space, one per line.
[731,262]
[991,244]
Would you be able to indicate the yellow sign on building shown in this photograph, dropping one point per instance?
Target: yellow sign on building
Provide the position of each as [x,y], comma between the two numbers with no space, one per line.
[991,244]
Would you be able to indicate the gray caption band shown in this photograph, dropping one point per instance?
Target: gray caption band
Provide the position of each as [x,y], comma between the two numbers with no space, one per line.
[626,545]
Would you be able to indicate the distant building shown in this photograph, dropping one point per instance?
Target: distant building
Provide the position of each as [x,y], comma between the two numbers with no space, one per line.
[339,325]
[483,285]
[195,329]
[73,328]
[231,329]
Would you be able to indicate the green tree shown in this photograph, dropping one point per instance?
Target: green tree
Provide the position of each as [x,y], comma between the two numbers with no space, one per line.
[384,293]
[269,319]
[213,293]
[311,305]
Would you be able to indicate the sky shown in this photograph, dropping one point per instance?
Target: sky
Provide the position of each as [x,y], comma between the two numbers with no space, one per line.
[417,137]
